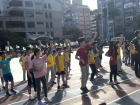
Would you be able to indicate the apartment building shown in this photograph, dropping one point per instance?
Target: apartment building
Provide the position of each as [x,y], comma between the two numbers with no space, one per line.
[125,22]
[78,16]
[32,16]
[67,3]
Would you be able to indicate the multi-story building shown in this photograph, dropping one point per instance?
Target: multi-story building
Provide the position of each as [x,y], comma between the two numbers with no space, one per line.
[32,16]
[93,24]
[78,16]
[76,2]
[125,22]
[67,3]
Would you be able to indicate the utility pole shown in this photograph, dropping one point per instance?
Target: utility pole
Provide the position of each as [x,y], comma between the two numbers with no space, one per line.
[102,18]
[108,36]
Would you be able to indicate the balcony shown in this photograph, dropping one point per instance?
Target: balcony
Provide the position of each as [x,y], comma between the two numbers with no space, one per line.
[14,18]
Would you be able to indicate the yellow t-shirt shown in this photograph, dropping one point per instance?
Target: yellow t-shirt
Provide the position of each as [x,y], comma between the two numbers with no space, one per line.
[119,54]
[54,59]
[0,58]
[50,59]
[131,50]
[60,61]
[23,62]
[123,48]
[67,57]
[97,52]
[91,58]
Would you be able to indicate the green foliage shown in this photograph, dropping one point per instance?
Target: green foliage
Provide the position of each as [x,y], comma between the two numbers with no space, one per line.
[75,33]
[138,22]
[12,37]
[67,41]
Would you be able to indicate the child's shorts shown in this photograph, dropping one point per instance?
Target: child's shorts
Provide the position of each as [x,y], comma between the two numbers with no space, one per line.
[61,73]
[8,77]
[1,75]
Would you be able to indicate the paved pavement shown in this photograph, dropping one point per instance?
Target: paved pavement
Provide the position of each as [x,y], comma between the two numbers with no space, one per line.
[126,93]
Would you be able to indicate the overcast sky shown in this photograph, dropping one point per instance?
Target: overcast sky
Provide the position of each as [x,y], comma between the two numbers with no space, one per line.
[91,3]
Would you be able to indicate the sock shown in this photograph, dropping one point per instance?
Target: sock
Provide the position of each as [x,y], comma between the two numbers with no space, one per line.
[3,85]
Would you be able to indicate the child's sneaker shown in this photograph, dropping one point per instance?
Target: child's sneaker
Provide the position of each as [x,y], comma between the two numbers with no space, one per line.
[92,80]
[3,87]
[35,95]
[31,97]
[58,87]
[40,103]
[53,82]
[7,93]
[111,83]
[47,100]
[13,91]
[66,86]
[86,89]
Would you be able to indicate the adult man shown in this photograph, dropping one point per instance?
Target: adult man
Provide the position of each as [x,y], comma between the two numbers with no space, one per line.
[136,42]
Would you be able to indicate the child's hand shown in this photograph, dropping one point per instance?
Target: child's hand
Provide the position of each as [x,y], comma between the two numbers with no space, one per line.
[95,35]
[3,65]
[83,61]
[30,75]
[59,71]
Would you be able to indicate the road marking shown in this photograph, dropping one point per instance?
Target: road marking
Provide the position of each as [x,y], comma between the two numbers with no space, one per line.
[123,96]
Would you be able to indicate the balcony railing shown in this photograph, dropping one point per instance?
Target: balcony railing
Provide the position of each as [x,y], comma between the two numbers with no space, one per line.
[15,18]
[16,28]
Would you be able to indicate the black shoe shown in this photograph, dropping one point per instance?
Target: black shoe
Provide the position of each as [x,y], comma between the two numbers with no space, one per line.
[7,93]
[55,77]
[3,87]
[66,86]
[13,91]
[23,79]
[58,87]
[53,82]
[86,89]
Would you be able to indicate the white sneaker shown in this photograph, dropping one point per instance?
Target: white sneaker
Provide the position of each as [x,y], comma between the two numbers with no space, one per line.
[31,97]
[35,95]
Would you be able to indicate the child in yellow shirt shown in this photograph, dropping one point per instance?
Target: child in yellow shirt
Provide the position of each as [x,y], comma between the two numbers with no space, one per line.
[92,64]
[132,53]
[50,66]
[60,68]
[54,55]
[22,63]
[67,59]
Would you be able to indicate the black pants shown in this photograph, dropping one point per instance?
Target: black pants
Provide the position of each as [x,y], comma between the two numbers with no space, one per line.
[30,82]
[113,71]
[38,81]
[132,59]
[93,68]
[137,64]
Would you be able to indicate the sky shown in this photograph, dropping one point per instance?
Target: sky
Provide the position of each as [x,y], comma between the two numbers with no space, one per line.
[91,3]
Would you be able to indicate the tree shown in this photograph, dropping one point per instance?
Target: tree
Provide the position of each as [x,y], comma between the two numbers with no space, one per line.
[138,22]
[113,12]
[12,37]
[67,41]
[104,13]
[75,33]
[97,19]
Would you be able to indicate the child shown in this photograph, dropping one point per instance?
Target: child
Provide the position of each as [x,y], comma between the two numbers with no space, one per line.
[50,66]
[82,56]
[6,71]
[127,49]
[54,55]
[39,65]
[92,64]
[21,61]
[124,53]
[112,53]
[1,76]
[60,68]
[30,75]
[66,58]
[132,52]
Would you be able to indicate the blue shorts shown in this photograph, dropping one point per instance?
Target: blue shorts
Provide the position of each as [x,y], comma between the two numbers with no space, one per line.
[8,77]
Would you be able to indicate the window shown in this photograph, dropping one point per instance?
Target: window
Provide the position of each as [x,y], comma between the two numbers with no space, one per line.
[28,3]
[52,34]
[47,25]
[128,5]
[49,5]
[31,25]
[45,5]
[29,13]
[40,22]
[39,12]
[38,3]
[41,32]
[46,15]
[50,15]
[51,25]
